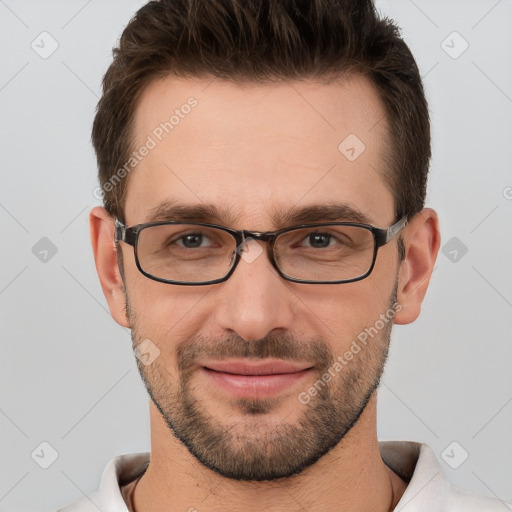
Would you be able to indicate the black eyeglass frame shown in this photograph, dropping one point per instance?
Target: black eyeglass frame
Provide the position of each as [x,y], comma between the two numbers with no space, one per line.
[381,236]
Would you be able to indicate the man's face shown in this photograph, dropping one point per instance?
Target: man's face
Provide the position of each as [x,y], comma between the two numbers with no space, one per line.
[255,151]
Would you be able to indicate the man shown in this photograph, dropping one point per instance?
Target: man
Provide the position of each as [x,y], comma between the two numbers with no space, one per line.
[264,167]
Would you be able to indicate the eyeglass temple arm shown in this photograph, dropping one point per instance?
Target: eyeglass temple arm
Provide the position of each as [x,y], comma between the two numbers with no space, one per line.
[395,228]
[120,231]
[386,235]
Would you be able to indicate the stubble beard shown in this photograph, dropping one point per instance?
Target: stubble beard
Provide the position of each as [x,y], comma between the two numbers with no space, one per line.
[259,447]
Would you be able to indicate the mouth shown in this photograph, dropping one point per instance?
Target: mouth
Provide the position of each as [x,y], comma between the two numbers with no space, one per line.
[255,380]
[261,368]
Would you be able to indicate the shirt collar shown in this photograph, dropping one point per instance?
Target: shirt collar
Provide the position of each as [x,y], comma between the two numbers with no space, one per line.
[413,462]
[416,464]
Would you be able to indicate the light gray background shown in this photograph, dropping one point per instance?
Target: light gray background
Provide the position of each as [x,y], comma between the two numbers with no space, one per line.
[68,374]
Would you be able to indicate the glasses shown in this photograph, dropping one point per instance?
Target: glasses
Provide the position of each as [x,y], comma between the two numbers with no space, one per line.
[198,254]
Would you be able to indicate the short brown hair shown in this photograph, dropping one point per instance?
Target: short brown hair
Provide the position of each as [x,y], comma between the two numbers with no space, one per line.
[266,40]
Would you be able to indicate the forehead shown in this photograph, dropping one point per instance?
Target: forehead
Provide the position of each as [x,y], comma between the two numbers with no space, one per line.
[253,148]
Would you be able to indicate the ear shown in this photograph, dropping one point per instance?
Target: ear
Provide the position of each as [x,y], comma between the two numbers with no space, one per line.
[103,245]
[421,239]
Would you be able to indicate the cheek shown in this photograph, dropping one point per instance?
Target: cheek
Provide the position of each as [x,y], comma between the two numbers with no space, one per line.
[342,312]
[165,313]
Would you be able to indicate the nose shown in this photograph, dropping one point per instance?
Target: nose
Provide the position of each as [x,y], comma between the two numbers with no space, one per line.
[255,300]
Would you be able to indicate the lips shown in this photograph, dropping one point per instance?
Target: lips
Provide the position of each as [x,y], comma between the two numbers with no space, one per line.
[254,380]
[264,368]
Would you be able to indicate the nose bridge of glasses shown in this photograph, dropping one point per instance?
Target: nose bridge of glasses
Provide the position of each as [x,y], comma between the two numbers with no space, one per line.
[263,236]
[254,237]
[260,236]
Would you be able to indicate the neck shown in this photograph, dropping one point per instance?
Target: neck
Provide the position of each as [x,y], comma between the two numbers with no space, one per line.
[351,477]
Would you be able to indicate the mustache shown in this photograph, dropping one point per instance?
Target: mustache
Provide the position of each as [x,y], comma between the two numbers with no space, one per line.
[279,346]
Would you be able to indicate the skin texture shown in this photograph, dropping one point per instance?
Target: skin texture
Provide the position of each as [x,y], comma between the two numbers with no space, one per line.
[254,150]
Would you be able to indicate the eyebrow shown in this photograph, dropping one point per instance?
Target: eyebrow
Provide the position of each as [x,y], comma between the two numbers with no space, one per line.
[329,212]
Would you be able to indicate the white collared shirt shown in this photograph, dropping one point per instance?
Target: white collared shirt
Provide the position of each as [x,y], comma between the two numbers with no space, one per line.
[427,489]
